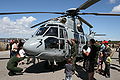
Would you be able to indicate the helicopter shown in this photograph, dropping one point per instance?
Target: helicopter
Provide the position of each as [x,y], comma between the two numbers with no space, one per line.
[49,42]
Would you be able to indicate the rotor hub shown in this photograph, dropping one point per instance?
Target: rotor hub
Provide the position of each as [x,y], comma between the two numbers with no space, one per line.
[72,12]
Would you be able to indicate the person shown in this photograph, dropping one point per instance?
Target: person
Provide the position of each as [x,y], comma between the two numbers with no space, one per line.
[14,48]
[98,45]
[11,43]
[91,59]
[100,62]
[86,49]
[107,66]
[7,46]
[119,54]
[73,51]
[102,56]
[20,44]
[12,65]
[102,47]
[107,51]
[69,71]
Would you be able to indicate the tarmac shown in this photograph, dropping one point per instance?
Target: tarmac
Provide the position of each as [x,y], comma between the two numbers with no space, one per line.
[39,72]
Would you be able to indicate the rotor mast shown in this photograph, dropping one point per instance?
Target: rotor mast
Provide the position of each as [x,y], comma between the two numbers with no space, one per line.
[73,13]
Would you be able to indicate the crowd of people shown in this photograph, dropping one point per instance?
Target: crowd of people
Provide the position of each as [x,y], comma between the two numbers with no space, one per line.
[17,54]
[104,57]
[94,54]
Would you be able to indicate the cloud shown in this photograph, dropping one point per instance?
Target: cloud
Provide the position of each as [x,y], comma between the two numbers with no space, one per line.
[116,9]
[112,1]
[17,28]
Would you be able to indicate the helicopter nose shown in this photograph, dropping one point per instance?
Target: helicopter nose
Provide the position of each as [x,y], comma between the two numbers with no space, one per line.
[32,46]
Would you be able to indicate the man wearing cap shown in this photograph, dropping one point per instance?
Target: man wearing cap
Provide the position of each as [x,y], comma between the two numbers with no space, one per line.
[107,51]
[12,65]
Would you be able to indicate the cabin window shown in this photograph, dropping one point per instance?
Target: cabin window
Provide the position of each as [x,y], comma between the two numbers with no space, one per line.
[51,43]
[63,20]
[62,44]
[63,33]
[79,28]
[41,31]
[53,31]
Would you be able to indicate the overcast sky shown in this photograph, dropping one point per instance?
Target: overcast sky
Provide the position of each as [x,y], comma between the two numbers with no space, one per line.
[19,25]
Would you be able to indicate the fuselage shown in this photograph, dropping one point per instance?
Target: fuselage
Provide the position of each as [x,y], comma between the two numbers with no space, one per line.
[50,40]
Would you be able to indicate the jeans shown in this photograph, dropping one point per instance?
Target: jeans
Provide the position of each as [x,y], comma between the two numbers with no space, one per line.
[107,69]
[68,78]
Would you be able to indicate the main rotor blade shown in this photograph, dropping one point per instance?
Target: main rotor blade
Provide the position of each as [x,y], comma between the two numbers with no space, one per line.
[100,14]
[9,13]
[87,4]
[40,23]
[45,21]
[84,21]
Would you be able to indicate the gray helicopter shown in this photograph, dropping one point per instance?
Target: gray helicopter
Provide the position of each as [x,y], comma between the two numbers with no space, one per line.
[49,42]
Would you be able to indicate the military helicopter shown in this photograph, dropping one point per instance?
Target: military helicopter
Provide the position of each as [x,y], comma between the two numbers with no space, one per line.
[49,42]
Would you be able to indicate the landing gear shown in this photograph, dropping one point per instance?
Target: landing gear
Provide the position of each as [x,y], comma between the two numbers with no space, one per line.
[49,65]
[52,66]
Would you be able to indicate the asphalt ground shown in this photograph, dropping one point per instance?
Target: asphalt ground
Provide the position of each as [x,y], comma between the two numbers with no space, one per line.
[39,72]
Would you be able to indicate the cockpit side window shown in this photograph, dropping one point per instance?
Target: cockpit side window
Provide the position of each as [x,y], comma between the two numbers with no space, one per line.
[53,31]
[51,43]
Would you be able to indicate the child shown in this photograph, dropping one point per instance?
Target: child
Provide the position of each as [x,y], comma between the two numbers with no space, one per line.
[69,71]
[100,63]
[107,68]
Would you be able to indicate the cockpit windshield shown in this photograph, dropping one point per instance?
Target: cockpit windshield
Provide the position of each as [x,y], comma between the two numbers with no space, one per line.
[41,30]
[53,31]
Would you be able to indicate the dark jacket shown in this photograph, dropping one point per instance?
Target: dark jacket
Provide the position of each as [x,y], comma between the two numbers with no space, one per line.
[93,53]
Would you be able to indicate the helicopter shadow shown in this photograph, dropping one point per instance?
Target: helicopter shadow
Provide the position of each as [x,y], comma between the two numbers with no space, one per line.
[81,73]
[42,68]
[4,58]
[115,67]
